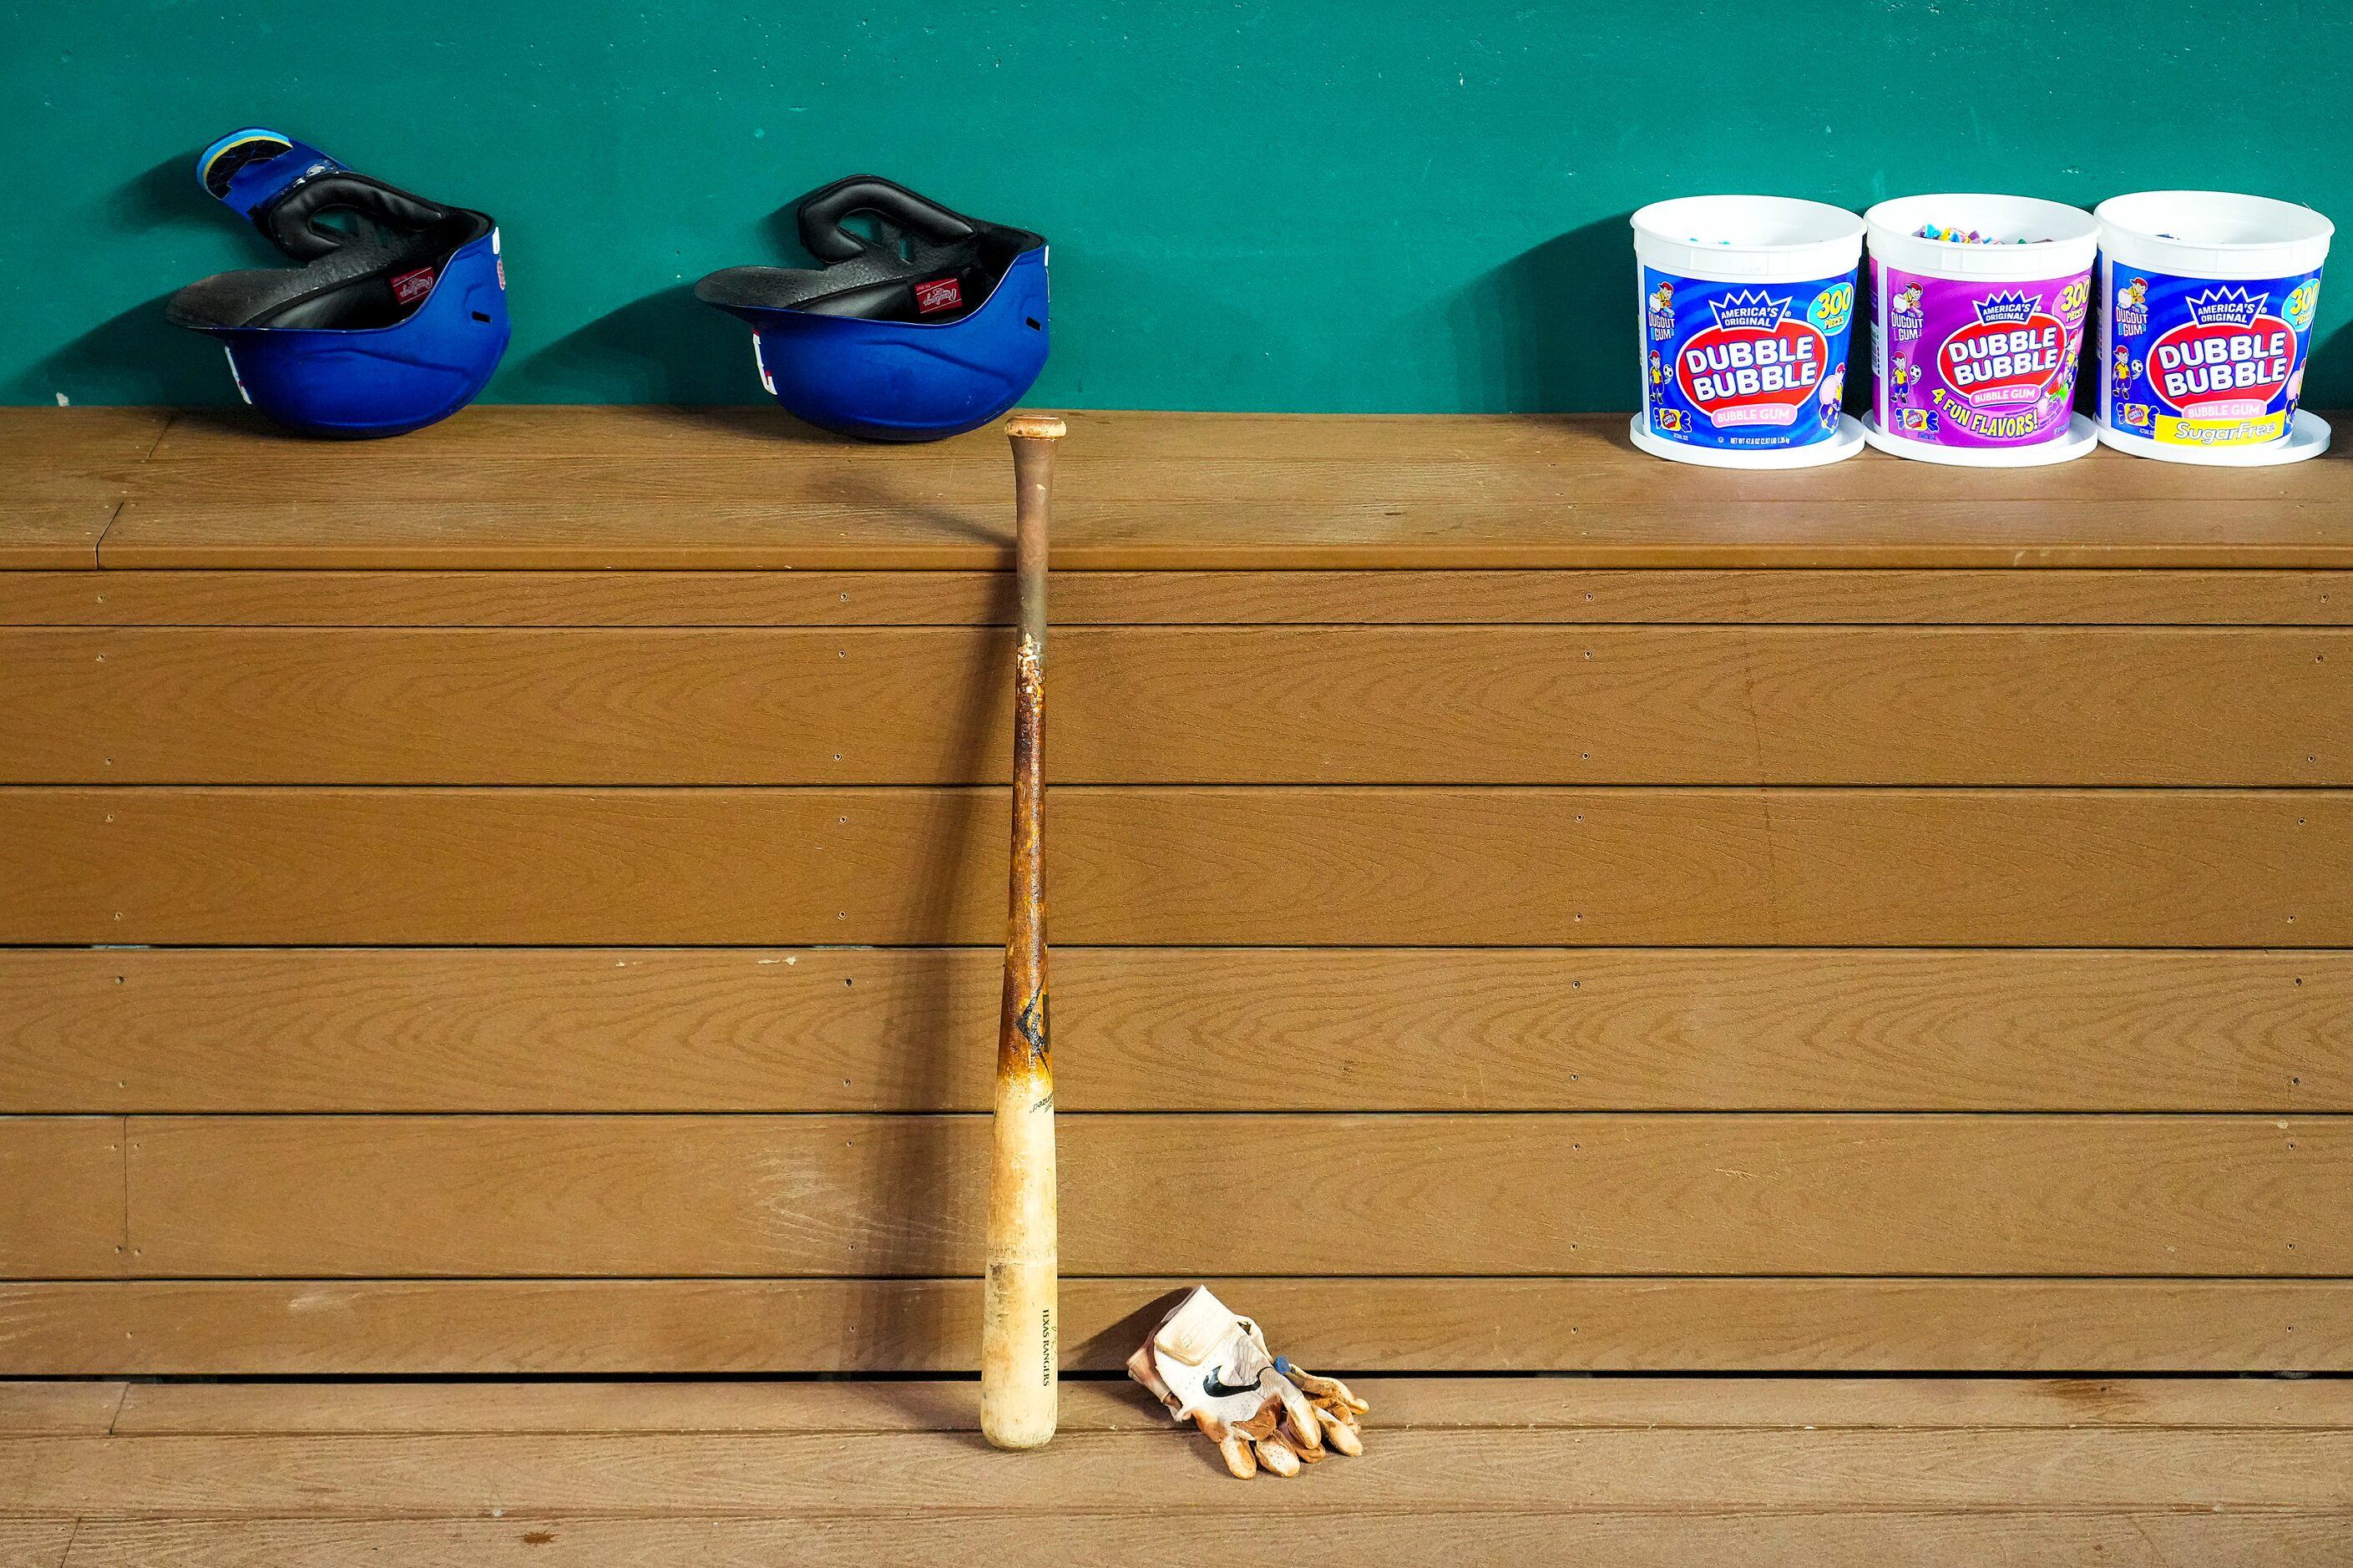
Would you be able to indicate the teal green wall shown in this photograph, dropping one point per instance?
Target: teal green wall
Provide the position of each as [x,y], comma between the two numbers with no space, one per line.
[1349,205]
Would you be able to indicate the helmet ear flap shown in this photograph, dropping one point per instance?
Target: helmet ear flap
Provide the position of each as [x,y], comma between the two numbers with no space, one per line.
[225,158]
[291,222]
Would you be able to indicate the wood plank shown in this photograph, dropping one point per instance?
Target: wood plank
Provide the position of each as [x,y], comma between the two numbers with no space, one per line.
[693,490]
[1180,867]
[581,1327]
[1277,1029]
[35,1542]
[1117,1405]
[609,521]
[1434,1472]
[62,1203]
[895,1196]
[80,1404]
[76,454]
[527,598]
[1207,480]
[1842,1537]
[1228,705]
[850,1406]
[1127,454]
[52,536]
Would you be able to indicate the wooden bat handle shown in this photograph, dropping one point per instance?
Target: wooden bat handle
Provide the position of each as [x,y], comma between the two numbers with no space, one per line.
[1018,1356]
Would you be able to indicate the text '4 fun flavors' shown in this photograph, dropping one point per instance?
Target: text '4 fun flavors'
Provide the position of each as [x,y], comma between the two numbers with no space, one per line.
[1978,305]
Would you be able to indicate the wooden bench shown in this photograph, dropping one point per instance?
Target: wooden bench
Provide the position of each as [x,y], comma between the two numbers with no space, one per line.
[521,900]
[1651,1473]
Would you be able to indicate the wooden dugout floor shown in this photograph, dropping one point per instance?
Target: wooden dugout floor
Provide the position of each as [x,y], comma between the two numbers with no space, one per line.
[1634,1472]
[520,901]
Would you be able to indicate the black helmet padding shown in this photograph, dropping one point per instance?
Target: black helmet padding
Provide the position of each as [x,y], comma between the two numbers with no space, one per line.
[917,241]
[291,222]
[345,282]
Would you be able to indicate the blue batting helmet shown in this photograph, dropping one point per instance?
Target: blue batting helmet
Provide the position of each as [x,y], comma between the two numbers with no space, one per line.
[396,317]
[935,325]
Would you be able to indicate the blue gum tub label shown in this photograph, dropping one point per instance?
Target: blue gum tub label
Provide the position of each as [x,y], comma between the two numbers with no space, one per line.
[1745,365]
[2192,361]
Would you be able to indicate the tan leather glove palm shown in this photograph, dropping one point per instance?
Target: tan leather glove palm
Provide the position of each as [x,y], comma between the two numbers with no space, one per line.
[1210,1366]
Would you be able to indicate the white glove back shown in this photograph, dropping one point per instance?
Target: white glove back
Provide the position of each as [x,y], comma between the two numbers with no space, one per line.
[1210,1366]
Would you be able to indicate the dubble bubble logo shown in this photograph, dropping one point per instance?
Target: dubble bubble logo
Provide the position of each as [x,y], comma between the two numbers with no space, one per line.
[1755,365]
[2011,355]
[2228,360]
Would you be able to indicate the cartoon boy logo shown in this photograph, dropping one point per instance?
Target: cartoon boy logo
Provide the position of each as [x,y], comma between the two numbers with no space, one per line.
[1662,305]
[1907,308]
[1833,392]
[1658,371]
[1905,375]
[2123,365]
[2133,296]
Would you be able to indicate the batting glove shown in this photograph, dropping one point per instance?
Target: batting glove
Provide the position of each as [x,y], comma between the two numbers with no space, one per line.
[1210,1366]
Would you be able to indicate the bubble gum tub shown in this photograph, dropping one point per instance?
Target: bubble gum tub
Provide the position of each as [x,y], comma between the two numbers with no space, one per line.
[2206,302]
[1978,307]
[1746,304]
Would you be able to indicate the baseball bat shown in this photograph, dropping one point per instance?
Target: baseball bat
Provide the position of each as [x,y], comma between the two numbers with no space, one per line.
[1017,1325]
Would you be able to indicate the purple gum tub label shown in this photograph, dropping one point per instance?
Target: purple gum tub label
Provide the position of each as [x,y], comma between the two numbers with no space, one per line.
[1748,365]
[2195,362]
[1976,364]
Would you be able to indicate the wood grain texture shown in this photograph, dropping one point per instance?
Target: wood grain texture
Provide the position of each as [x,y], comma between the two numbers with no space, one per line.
[1112,453]
[76,454]
[1795,597]
[575,1327]
[35,1542]
[84,1406]
[1466,1473]
[1293,601]
[897,1196]
[844,1405]
[51,536]
[1180,867]
[1845,1537]
[1117,1405]
[736,488]
[1421,705]
[62,1205]
[1277,1029]
[695,489]
[1267,522]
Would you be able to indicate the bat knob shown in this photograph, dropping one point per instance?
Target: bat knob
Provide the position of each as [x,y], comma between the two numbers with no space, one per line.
[1036,427]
